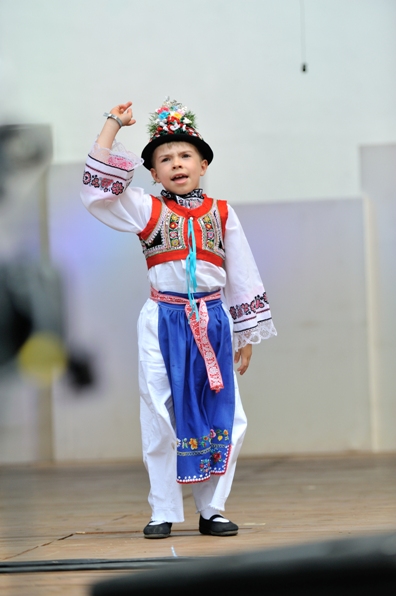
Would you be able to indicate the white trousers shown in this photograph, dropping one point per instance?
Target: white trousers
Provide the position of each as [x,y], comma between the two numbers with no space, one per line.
[159,437]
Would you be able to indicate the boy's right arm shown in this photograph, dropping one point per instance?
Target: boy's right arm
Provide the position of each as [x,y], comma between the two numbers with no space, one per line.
[111,127]
[106,190]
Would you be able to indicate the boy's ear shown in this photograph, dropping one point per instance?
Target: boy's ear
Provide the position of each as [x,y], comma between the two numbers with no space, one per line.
[204,166]
[154,174]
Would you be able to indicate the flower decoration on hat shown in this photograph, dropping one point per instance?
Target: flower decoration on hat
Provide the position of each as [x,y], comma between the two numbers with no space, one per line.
[172,118]
[173,122]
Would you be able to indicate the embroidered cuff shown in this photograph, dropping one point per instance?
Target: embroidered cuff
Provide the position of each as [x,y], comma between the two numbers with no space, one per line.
[247,314]
[110,180]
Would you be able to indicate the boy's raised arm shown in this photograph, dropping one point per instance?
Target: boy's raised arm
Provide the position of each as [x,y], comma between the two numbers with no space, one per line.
[111,127]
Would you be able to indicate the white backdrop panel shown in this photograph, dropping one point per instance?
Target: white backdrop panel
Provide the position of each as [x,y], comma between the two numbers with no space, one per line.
[379,185]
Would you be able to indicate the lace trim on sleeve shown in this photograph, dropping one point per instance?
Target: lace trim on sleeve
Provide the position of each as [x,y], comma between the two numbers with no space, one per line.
[264,330]
[117,156]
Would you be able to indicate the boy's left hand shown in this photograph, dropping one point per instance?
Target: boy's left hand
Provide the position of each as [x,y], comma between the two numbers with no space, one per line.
[243,355]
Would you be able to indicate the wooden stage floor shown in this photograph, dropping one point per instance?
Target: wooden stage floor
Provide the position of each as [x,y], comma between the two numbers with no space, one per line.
[97,511]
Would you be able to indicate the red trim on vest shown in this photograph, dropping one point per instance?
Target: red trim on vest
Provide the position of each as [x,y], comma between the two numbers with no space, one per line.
[223,210]
[166,257]
[152,222]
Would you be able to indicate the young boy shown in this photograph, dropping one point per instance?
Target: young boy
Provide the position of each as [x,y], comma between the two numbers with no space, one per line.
[192,419]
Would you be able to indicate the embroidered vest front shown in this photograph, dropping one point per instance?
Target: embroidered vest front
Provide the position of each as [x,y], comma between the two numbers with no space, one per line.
[165,236]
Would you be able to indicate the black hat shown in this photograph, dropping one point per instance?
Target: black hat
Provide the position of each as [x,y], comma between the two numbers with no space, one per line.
[173,122]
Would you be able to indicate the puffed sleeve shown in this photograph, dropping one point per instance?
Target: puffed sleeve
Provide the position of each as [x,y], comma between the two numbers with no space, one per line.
[244,291]
[106,190]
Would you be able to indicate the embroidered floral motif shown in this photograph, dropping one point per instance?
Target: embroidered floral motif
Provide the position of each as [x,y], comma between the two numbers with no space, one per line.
[221,435]
[105,183]
[86,177]
[212,235]
[117,188]
[204,466]
[216,456]
[174,232]
[214,461]
[167,234]
[193,443]
[257,305]
[209,231]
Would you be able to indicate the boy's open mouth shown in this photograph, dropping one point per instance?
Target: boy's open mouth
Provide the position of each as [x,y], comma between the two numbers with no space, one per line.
[179,177]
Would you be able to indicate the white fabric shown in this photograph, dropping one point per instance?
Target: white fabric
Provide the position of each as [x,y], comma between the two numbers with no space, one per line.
[159,437]
[209,512]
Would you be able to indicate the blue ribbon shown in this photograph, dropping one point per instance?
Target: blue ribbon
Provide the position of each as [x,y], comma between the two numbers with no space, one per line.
[191,268]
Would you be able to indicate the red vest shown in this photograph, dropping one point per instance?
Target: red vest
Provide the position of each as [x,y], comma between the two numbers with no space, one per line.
[165,236]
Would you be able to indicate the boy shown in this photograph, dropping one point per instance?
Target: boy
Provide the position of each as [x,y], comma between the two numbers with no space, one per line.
[192,419]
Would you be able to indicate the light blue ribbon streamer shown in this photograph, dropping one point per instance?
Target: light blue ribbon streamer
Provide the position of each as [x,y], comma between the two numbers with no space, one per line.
[191,268]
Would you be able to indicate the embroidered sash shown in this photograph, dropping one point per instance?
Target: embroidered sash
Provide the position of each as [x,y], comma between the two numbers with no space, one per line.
[199,328]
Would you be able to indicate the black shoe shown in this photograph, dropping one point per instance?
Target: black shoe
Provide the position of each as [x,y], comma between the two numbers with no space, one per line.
[157,530]
[213,528]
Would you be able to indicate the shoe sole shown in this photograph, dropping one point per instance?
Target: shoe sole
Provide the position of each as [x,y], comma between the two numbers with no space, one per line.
[154,536]
[230,533]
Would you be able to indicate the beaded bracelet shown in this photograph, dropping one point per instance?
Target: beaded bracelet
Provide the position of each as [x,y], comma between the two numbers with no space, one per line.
[116,118]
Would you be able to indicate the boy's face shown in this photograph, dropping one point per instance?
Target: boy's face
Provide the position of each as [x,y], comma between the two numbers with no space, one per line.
[178,167]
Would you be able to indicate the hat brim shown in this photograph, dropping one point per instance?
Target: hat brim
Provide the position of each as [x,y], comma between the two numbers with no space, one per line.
[203,148]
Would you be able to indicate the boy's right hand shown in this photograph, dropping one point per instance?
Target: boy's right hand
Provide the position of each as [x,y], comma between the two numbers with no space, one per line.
[124,113]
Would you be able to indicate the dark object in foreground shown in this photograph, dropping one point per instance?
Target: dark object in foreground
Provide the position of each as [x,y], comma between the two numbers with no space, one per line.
[353,567]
